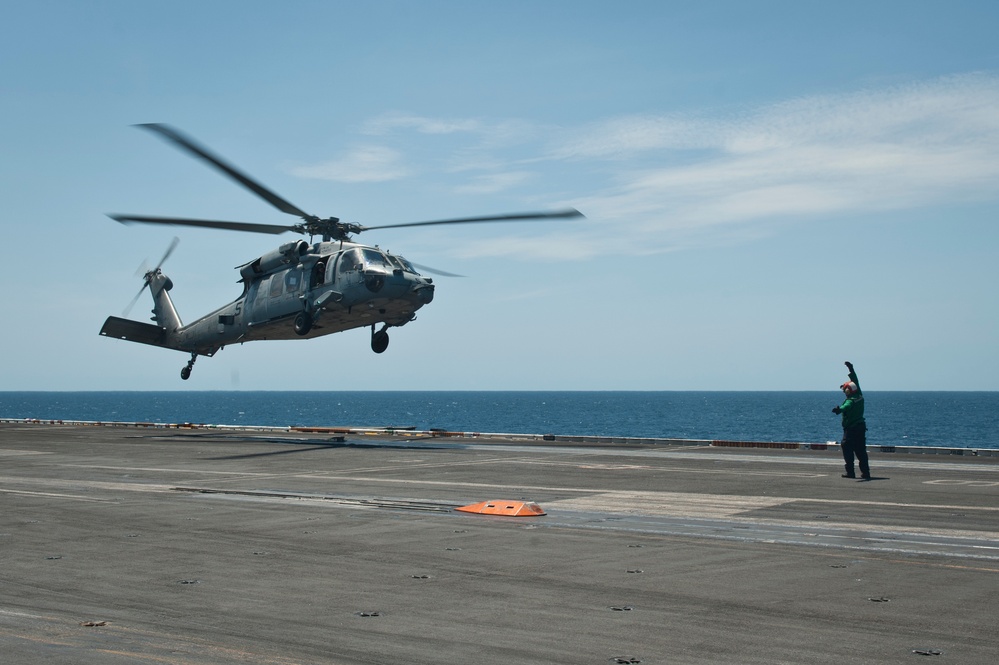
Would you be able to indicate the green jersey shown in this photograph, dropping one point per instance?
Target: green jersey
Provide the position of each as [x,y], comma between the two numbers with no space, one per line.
[852,407]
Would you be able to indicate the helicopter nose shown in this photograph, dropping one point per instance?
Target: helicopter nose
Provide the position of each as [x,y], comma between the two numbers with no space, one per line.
[425,292]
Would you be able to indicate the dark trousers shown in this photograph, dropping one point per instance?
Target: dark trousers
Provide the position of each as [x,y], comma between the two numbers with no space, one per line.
[855,444]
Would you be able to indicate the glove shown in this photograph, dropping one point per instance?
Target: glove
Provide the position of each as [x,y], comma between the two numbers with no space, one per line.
[837,410]
[849,365]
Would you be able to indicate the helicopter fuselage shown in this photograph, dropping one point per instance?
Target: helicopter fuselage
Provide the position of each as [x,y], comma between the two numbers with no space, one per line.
[296,291]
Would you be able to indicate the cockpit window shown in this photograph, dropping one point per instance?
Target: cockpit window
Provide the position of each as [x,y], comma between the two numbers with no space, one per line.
[375,258]
[349,260]
[404,264]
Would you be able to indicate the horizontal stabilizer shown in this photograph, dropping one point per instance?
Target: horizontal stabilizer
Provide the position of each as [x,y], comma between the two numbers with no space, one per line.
[133,331]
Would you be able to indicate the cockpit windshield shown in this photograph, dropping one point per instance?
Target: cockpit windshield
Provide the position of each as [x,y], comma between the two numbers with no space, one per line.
[373,257]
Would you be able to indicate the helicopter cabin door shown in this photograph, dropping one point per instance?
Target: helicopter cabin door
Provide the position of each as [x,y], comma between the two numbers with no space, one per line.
[279,294]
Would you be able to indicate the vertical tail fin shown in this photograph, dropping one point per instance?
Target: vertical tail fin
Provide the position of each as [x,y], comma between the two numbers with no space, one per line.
[164,313]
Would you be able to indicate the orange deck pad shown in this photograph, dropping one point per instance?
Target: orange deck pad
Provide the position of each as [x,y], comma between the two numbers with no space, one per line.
[509,508]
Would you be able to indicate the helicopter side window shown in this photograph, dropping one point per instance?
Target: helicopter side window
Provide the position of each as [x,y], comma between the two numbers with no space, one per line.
[319,274]
[291,280]
[276,285]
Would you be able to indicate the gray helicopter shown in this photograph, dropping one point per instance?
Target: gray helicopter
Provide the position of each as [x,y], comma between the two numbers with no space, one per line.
[297,291]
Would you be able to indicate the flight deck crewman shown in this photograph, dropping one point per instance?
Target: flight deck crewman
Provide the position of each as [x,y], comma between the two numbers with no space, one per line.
[854,426]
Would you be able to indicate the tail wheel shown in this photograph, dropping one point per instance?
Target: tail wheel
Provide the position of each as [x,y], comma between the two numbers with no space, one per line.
[186,372]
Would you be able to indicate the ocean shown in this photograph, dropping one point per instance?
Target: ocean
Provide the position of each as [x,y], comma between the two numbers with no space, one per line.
[946,419]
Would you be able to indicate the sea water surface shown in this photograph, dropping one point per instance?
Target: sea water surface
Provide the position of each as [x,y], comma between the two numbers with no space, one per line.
[947,419]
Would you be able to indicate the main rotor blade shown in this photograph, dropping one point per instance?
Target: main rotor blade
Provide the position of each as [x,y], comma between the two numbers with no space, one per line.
[192,147]
[434,271]
[207,223]
[516,217]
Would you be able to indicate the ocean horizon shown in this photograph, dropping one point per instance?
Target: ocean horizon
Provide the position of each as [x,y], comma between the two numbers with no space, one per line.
[955,419]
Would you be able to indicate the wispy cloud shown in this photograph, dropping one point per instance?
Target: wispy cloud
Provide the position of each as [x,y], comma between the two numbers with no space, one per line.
[890,149]
[371,163]
[493,182]
[389,122]
[663,182]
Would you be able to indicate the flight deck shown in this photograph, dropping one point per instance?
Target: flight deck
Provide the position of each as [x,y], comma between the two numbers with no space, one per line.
[126,544]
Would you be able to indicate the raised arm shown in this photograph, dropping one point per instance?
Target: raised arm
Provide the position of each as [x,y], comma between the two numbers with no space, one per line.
[853,373]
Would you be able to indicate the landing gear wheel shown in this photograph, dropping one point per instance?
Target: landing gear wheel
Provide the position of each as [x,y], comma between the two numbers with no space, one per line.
[379,341]
[303,323]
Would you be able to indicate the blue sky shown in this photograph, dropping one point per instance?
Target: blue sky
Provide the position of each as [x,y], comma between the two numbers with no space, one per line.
[771,188]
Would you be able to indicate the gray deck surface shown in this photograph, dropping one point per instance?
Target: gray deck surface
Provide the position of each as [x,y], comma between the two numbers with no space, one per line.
[261,547]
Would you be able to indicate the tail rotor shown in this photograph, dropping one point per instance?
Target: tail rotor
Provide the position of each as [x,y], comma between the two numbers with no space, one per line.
[147,274]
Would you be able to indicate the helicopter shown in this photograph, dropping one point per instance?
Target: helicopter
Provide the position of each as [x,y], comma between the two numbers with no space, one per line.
[300,290]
